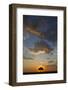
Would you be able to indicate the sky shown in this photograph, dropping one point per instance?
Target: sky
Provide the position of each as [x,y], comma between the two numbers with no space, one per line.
[40,37]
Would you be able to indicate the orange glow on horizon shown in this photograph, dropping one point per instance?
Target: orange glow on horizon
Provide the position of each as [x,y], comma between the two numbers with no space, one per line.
[35,66]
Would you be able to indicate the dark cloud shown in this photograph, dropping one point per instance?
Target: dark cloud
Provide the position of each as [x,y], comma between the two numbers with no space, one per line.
[41,32]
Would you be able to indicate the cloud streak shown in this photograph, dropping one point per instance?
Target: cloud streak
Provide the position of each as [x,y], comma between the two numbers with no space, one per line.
[37,53]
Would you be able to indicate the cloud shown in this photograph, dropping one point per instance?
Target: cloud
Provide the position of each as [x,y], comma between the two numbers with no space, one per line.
[27,58]
[46,56]
[37,53]
[26,53]
[32,30]
[26,36]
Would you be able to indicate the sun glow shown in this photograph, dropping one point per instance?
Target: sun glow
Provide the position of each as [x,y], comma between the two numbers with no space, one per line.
[41,68]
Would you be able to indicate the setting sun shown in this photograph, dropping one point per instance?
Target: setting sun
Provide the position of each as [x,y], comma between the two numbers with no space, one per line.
[41,68]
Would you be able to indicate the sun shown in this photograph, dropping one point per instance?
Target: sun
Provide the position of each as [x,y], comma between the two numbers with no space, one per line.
[41,68]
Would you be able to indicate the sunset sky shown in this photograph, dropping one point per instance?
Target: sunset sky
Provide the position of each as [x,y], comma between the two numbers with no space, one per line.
[40,42]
